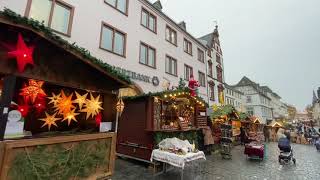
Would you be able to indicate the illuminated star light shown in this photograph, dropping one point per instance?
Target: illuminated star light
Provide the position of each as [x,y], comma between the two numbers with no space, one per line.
[64,105]
[81,100]
[32,91]
[50,120]
[54,99]
[71,116]
[92,106]
[23,54]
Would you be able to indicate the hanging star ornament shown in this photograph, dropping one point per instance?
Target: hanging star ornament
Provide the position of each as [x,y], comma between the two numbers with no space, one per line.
[64,105]
[71,116]
[92,106]
[31,91]
[50,120]
[23,54]
[54,99]
[81,100]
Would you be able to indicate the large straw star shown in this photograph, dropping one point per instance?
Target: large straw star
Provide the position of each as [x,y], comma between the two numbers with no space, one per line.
[23,54]
[50,120]
[54,99]
[70,116]
[32,91]
[81,100]
[64,105]
[92,106]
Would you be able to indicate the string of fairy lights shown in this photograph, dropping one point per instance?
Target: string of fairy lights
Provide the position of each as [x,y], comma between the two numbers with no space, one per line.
[178,94]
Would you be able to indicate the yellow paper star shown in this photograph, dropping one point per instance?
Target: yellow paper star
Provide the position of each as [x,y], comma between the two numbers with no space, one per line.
[70,116]
[81,100]
[64,105]
[50,120]
[54,99]
[32,90]
[92,106]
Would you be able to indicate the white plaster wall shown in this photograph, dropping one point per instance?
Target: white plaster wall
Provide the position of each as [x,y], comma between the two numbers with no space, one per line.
[86,28]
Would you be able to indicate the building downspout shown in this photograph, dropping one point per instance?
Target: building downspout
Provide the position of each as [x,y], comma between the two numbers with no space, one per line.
[207,82]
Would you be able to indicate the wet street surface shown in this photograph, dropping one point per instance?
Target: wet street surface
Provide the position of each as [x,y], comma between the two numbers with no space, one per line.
[238,168]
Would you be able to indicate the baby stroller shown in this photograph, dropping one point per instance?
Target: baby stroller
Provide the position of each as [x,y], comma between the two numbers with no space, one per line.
[317,144]
[286,152]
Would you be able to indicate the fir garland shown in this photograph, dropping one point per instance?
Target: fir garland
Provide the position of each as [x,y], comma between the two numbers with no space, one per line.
[163,93]
[40,27]
[57,162]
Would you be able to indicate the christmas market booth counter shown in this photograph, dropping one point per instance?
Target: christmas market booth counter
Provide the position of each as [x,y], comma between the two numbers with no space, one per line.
[225,114]
[150,118]
[56,100]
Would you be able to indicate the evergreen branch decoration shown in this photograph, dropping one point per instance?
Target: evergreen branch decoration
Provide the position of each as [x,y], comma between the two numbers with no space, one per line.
[226,110]
[79,160]
[162,93]
[40,27]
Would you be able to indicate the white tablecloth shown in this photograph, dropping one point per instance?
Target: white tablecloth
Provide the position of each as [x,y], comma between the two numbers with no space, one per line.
[175,159]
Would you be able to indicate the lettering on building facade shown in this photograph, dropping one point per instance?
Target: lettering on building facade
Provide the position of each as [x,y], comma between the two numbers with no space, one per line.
[140,77]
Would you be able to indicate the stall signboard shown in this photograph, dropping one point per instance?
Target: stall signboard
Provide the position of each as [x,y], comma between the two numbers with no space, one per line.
[14,125]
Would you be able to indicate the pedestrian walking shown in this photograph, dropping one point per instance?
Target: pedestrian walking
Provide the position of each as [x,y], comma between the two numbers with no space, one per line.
[266,134]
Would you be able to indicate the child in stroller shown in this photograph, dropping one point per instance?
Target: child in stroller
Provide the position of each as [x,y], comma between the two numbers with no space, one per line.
[286,154]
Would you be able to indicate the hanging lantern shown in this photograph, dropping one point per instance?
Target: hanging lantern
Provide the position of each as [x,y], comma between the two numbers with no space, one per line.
[23,54]
[120,106]
[24,110]
[98,119]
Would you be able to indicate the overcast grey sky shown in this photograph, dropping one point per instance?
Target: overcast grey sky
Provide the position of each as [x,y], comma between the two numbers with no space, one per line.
[273,42]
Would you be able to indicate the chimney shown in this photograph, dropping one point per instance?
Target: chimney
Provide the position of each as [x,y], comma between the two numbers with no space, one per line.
[183,25]
[318,92]
[158,5]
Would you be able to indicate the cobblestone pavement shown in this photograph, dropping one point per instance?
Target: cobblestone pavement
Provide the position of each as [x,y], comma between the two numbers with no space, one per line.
[238,168]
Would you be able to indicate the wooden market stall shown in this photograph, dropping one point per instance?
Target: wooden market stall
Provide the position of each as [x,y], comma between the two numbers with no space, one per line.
[150,118]
[274,126]
[225,114]
[55,97]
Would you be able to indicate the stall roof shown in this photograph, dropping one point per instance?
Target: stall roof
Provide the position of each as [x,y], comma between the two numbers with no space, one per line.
[168,93]
[11,18]
[275,124]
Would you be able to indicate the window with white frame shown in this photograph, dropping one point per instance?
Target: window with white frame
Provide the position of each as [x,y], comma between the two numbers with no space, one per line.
[249,100]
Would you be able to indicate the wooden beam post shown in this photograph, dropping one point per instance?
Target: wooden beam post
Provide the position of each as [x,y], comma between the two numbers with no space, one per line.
[9,83]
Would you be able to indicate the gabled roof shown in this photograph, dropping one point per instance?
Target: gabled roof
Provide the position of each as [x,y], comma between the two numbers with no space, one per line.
[227,86]
[267,89]
[245,81]
[207,39]
[210,38]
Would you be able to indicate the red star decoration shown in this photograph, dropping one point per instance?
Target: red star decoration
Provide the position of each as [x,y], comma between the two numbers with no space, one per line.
[23,54]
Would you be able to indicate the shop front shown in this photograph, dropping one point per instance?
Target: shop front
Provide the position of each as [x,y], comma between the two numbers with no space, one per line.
[58,105]
[148,119]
